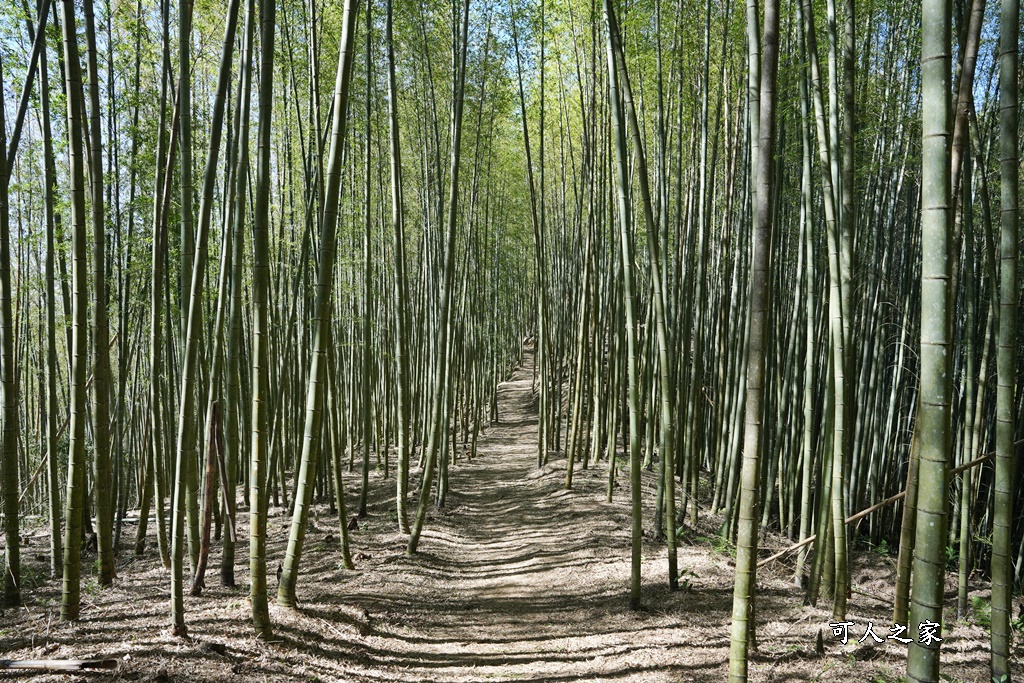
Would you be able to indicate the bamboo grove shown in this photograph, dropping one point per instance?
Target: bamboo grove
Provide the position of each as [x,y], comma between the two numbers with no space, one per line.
[766,253]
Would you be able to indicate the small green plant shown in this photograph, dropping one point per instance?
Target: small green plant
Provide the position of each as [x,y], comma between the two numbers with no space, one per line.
[825,670]
[952,557]
[720,544]
[982,611]
[883,548]
[1004,678]
[684,580]
[1017,625]
[33,577]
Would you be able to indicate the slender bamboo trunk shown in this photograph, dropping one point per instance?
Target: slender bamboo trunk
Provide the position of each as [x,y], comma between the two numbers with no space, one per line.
[50,182]
[665,362]
[75,500]
[402,389]
[261,335]
[746,544]
[629,306]
[1003,502]
[934,412]
[437,415]
[312,432]
[366,378]
[100,333]
[9,429]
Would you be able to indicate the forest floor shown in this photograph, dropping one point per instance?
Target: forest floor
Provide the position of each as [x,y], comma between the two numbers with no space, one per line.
[516,579]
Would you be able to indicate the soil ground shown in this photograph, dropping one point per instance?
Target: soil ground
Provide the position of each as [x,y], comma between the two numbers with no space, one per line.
[516,579]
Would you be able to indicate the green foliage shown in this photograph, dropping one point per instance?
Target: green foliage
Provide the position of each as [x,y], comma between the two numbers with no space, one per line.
[1017,625]
[952,558]
[719,544]
[982,609]
[685,575]
[91,586]
[33,576]
[883,548]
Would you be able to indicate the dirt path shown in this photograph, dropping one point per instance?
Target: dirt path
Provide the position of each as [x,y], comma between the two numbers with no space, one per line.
[516,579]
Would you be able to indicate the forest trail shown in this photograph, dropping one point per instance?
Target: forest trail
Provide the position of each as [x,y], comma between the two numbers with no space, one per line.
[516,579]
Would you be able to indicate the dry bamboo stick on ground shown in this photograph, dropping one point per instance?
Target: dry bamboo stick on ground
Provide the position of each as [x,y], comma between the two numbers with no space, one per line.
[58,664]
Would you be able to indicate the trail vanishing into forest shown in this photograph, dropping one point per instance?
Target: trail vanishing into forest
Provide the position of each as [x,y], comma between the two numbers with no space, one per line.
[520,581]
[516,579]
[767,255]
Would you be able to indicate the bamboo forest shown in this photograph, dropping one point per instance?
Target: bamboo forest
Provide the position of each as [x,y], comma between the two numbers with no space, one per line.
[549,340]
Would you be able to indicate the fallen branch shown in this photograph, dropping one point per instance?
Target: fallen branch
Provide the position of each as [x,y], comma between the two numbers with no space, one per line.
[58,664]
[864,513]
[882,599]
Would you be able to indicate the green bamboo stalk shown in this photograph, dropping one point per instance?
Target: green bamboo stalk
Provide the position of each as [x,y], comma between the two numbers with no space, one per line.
[312,431]
[1002,525]
[744,589]
[934,412]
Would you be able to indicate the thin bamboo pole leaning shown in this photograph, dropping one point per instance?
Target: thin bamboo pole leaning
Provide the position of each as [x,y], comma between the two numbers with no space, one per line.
[877,506]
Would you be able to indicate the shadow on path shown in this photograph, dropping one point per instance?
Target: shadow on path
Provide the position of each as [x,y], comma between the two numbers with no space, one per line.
[515,580]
